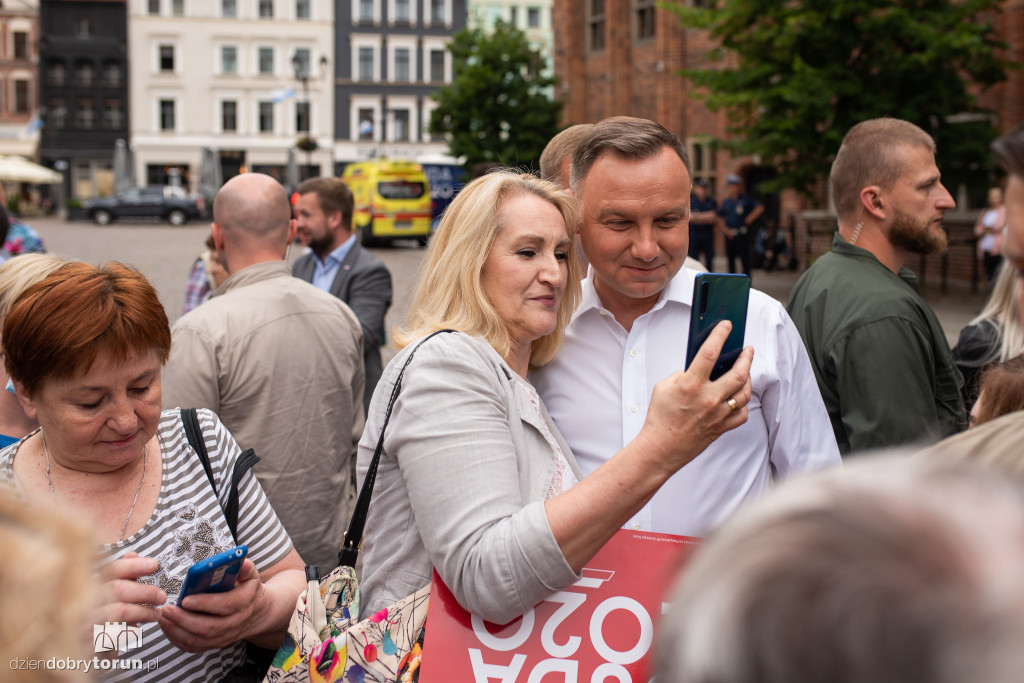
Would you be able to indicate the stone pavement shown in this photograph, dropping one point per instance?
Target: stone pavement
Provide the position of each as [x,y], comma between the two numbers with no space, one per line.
[955,308]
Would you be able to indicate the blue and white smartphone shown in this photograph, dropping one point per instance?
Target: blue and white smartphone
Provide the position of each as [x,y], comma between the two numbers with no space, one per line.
[718,297]
[215,574]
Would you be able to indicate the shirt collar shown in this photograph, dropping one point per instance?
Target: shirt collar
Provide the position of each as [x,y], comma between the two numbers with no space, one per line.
[679,290]
[340,253]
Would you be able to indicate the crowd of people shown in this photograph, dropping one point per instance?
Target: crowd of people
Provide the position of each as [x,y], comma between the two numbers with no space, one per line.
[546,408]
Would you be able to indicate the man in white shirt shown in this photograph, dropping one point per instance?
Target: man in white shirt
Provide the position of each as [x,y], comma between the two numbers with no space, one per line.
[632,180]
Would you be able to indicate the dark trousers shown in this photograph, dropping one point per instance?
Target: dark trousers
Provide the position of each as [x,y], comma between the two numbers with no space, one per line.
[738,247]
[702,245]
[991,262]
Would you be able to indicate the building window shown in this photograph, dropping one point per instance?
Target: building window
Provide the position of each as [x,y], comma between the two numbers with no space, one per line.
[113,114]
[366,10]
[21,98]
[513,16]
[229,8]
[229,116]
[266,122]
[437,66]
[167,58]
[402,64]
[301,61]
[56,74]
[166,114]
[229,59]
[113,74]
[85,74]
[154,6]
[83,27]
[178,8]
[533,17]
[401,127]
[402,11]
[85,114]
[437,13]
[302,9]
[365,124]
[702,156]
[595,25]
[643,19]
[302,117]
[265,60]
[366,63]
[20,45]
[266,9]
[57,114]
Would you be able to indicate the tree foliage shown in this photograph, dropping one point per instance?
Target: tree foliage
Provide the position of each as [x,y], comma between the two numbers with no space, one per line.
[793,77]
[497,107]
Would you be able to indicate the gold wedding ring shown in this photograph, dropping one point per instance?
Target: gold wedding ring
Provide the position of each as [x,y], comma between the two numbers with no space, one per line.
[733,406]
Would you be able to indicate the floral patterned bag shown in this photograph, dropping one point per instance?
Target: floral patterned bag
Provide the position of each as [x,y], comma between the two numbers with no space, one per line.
[325,641]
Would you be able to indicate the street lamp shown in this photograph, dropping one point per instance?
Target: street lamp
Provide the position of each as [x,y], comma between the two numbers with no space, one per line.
[301,67]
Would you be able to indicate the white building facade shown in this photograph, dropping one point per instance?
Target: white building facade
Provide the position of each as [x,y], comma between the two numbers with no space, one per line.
[222,74]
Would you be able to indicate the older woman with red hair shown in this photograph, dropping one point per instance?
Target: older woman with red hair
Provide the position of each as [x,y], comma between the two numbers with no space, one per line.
[85,347]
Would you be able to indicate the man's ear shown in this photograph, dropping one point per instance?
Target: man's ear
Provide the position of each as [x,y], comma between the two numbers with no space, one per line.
[27,404]
[335,220]
[292,231]
[871,200]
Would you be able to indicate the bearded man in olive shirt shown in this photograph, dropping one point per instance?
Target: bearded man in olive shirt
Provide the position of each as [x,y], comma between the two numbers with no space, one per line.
[880,356]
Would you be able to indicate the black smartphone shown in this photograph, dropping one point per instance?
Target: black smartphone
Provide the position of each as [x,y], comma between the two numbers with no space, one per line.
[718,297]
[215,574]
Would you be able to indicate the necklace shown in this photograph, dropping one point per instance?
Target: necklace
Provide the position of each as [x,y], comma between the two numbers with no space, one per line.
[145,466]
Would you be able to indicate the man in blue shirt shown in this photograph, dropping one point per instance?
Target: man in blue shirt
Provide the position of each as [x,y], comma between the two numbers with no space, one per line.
[339,265]
[740,212]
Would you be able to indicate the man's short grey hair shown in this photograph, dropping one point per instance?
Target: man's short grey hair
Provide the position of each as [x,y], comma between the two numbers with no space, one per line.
[623,137]
[891,569]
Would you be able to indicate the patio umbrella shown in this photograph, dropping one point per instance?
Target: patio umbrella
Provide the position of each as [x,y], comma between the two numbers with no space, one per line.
[123,177]
[291,172]
[20,170]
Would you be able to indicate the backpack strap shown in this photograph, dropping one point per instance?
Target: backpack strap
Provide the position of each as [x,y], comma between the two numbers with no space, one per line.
[245,461]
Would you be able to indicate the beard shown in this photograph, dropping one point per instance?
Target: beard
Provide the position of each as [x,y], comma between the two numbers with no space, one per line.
[914,235]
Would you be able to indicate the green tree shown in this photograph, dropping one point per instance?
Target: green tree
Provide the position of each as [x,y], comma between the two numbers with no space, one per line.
[804,72]
[497,107]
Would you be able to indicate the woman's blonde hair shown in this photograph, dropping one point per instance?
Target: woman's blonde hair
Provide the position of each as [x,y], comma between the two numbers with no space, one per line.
[1001,310]
[21,272]
[449,293]
[47,589]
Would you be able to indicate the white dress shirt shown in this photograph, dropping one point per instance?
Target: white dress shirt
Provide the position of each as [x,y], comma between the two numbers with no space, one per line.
[599,387]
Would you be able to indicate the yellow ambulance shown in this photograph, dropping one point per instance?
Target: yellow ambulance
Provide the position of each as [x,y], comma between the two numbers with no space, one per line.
[392,200]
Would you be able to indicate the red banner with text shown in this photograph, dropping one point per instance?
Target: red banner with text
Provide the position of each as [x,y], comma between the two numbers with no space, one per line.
[599,629]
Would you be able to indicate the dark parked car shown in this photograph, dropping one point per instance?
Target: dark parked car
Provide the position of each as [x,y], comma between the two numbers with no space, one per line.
[156,201]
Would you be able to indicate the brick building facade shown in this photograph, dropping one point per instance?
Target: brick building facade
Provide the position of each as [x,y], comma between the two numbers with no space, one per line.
[621,57]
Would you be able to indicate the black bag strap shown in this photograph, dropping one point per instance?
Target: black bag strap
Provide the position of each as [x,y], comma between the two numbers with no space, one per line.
[353,537]
[245,461]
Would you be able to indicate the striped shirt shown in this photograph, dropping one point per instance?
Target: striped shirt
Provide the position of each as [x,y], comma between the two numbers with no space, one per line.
[186,526]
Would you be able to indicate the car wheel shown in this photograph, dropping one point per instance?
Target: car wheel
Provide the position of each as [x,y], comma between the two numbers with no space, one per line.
[366,235]
[177,217]
[102,217]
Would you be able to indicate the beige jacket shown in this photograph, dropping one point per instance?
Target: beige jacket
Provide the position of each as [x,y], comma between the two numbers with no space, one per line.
[281,363]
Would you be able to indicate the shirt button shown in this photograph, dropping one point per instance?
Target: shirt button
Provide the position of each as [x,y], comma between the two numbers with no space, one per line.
[632,353]
[637,527]
[633,409]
